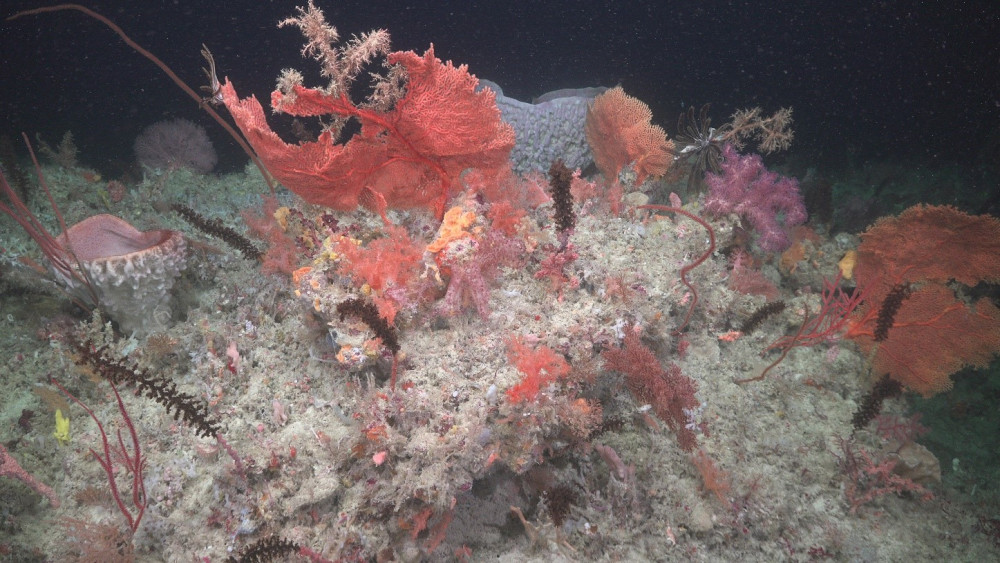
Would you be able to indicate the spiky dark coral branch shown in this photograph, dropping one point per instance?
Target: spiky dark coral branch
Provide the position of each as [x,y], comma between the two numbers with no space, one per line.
[272,548]
[887,313]
[265,549]
[762,313]
[560,180]
[367,312]
[215,228]
[186,407]
[871,404]
[560,499]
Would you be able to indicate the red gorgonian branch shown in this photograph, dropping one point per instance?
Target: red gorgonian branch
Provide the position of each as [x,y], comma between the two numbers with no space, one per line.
[134,463]
[832,319]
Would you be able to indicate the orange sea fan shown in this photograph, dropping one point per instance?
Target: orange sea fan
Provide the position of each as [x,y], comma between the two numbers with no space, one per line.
[619,132]
[934,333]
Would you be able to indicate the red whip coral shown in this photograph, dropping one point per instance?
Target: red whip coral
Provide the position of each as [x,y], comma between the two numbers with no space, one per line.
[834,314]
[933,333]
[10,468]
[408,157]
[619,132]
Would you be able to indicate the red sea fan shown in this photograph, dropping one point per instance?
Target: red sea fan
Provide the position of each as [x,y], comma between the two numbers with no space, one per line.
[933,333]
[408,157]
[282,253]
[933,336]
[930,242]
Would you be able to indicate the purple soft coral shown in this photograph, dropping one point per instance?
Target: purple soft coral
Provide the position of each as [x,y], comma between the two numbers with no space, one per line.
[748,189]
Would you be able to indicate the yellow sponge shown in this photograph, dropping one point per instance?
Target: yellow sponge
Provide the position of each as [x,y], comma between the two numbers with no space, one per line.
[62,428]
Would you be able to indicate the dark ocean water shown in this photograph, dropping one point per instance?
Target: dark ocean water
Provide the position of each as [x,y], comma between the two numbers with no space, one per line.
[901,80]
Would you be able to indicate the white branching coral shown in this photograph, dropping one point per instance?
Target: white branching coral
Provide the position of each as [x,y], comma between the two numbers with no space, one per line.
[772,133]
[340,64]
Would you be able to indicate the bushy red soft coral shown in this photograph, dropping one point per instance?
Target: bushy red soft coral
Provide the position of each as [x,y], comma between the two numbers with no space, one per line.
[508,195]
[668,391]
[553,267]
[501,184]
[540,367]
[387,265]
[282,253]
[390,260]
[504,217]
[868,478]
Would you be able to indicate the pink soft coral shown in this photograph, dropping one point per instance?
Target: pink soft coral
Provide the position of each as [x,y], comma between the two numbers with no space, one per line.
[472,276]
[748,189]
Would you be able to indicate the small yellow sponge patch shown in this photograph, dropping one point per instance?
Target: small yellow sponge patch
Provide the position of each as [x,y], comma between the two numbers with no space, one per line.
[62,428]
[846,264]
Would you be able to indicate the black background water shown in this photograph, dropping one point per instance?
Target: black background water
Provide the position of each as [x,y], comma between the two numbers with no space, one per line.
[915,80]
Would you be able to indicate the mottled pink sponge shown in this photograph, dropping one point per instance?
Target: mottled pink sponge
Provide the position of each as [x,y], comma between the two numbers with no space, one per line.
[132,271]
